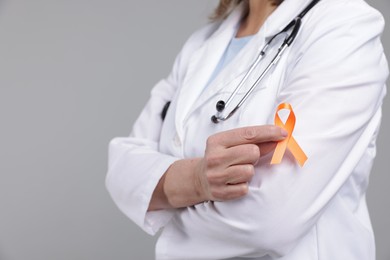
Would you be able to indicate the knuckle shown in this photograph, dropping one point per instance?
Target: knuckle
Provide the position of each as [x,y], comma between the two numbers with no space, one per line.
[213,160]
[252,152]
[250,170]
[214,178]
[212,141]
[244,189]
[246,173]
[248,133]
[255,150]
[219,194]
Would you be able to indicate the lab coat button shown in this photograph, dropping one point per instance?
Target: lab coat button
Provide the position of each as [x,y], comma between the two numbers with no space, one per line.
[177,141]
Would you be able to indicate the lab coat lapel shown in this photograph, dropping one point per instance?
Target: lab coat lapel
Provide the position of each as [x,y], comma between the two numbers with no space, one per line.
[201,66]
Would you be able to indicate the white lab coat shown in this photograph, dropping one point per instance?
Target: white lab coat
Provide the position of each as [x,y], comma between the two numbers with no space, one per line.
[334,77]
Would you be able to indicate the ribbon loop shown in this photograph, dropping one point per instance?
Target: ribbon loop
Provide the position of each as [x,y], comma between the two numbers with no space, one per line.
[289,142]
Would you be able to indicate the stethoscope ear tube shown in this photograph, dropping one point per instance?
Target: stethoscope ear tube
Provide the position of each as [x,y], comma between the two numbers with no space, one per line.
[297,25]
[308,8]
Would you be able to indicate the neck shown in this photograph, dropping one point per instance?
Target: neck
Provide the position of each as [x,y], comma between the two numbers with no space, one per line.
[258,12]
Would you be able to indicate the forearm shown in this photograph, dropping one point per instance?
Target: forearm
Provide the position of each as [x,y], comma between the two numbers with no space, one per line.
[178,187]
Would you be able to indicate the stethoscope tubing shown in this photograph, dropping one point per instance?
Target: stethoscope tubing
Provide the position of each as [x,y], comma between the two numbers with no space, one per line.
[295,24]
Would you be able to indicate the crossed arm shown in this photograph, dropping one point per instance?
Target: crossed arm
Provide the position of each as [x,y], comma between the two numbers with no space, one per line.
[222,174]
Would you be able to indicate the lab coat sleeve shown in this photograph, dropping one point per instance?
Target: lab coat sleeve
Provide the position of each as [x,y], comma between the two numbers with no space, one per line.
[135,164]
[336,86]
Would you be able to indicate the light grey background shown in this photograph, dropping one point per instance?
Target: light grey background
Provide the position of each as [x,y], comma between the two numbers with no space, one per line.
[73,75]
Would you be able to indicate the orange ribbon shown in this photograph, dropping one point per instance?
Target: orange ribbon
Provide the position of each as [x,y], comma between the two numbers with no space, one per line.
[289,141]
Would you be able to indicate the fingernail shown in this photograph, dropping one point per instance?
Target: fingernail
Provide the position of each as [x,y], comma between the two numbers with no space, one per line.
[284,133]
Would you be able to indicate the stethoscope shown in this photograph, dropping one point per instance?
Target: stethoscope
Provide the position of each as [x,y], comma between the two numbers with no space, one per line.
[295,25]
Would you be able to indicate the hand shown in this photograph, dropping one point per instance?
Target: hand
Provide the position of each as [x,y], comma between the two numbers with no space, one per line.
[228,164]
[222,174]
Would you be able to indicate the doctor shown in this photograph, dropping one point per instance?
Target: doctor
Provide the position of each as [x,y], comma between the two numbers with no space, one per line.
[211,186]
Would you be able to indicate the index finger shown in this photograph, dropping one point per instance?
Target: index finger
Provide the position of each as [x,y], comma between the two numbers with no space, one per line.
[250,135]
